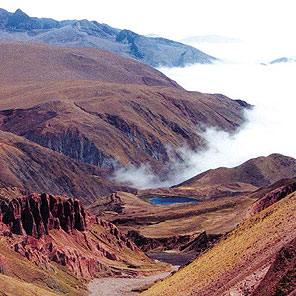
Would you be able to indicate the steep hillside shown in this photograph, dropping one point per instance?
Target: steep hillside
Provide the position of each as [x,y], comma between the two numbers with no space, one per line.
[32,168]
[19,26]
[51,243]
[258,172]
[136,115]
[237,264]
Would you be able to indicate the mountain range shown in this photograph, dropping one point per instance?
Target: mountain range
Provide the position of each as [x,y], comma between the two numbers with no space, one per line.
[103,109]
[157,52]
[72,116]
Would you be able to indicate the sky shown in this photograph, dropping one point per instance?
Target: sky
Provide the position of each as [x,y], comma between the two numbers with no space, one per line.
[255,20]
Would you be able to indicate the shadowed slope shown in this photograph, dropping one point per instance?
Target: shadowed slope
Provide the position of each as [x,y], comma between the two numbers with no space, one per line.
[33,168]
[132,124]
[109,107]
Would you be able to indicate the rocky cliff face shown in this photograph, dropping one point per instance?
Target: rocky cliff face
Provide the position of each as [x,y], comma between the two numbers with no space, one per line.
[32,168]
[36,215]
[46,228]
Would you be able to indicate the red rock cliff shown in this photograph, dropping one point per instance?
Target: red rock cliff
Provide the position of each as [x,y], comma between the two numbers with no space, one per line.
[46,228]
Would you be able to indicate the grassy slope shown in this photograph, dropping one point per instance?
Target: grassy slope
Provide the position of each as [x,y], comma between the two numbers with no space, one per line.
[215,217]
[246,249]
[260,171]
[21,277]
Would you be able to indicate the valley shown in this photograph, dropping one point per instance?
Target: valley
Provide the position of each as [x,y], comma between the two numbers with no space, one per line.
[95,145]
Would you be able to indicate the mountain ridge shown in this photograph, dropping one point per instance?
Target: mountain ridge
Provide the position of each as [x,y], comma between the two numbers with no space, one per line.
[156,52]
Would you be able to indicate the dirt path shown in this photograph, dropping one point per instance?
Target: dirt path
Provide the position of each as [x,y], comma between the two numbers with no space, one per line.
[122,286]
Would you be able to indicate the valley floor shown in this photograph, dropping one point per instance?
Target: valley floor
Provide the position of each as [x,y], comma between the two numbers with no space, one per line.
[123,286]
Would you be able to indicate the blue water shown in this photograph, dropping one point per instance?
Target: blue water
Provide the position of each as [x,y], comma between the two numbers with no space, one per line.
[171,200]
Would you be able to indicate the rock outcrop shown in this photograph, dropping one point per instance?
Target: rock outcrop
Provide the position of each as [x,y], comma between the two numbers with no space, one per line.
[46,228]
[194,243]
[35,215]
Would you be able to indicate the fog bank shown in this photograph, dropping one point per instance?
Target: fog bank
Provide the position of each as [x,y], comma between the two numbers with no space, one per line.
[269,126]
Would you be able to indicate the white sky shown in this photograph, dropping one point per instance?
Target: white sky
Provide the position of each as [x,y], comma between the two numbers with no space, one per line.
[256,19]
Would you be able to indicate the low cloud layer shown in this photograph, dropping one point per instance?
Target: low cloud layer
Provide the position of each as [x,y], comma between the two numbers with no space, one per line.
[269,127]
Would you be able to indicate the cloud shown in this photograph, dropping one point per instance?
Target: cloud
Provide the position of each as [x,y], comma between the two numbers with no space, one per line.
[269,126]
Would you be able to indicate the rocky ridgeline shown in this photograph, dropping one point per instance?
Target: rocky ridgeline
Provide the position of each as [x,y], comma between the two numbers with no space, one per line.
[271,197]
[46,228]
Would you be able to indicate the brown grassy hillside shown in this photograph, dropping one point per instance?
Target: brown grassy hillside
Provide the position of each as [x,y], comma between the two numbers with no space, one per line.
[29,62]
[112,108]
[260,171]
[237,263]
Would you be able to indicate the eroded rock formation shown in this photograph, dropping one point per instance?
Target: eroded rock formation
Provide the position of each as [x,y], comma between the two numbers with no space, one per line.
[46,228]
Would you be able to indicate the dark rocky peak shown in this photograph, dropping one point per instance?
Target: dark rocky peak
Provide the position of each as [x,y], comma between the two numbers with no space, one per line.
[20,13]
[19,21]
[126,36]
[4,13]
[20,16]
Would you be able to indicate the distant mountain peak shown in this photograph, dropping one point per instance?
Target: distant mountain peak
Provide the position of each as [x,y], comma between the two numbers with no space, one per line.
[20,13]
[155,52]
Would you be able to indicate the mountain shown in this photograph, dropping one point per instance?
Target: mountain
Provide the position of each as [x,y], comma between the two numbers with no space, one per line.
[230,182]
[53,245]
[19,65]
[260,171]
[102,109]
[156,52]
[284,60]
[29,167]
[256,258]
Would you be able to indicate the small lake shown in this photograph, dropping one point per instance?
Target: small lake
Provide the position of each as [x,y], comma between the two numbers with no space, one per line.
[171,200]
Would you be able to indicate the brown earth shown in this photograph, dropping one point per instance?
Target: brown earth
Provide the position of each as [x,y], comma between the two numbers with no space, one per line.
[260,171]
[31,62]
[273,196]
[223,200]
[110,110]
[58,235]
[250,254]
[129,212]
